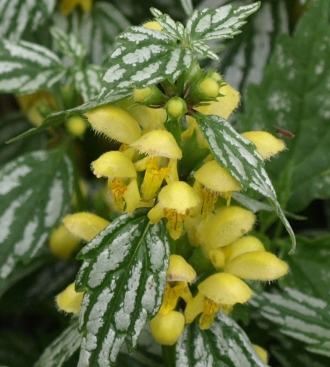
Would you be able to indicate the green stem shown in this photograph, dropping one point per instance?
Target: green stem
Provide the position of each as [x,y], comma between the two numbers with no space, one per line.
[168,355]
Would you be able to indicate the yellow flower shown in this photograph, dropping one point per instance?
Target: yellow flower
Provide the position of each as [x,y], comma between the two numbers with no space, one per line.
[115,123]
[69,300]
[67,6]
[62,243]
[213,180]
[218,291]
[227,225]
[76,125]
[266,144]
[179,274]
[242,246]
[121,174]
[153,25]
[176,201]
[257,265]
[166,329]
[84,226]
[262,353]
[161,162]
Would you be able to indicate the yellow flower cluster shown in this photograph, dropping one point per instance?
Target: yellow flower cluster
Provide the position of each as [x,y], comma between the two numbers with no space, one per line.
[144,173]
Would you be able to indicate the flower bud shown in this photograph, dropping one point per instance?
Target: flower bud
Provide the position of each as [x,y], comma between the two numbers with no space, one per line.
[206,89]
[259,265]
[76,125]
[69,300]
[266,144]
[176,107]
[166,329]
[85,225]
[115,123]
[180,270]
[150,96]
[62,243]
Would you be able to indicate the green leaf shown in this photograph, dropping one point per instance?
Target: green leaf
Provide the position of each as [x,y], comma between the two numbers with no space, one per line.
[27,67]
[187,6]
[309,267]
[10,126]
[35,191]
[62,348]
[225,344]
[88,81]
[240,157]
[299,316]
[68,44]
[215,24]
[294,95]
[124,276]
[99,29]
[19,16]
[246,55]
[144,57]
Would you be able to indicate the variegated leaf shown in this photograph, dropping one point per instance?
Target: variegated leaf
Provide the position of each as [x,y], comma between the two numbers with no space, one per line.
[88,81]
[299,316]
[144,57]
[27,67]
[68,44]
[35,191]
[123,275]
[172,28]
[187,6]
[17,16]
[225,344]
[232,151]
[221,23]
[62,348]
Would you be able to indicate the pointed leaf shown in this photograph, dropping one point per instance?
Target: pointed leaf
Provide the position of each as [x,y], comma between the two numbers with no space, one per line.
[18,16]
[294,95]
[68,44]
[144,57]
[27,67]
[172,28]
[225,344]
[187,6]
[221,23]
[35,190]
[239,156]
[124,275]
[299,316]
[62,348]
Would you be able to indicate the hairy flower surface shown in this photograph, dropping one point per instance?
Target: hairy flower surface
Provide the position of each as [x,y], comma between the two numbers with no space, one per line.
[267,145]
[62,242]
[166,329]
[69,300]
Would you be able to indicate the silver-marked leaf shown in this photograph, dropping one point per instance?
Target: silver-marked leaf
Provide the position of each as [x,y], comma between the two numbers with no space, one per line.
[299,316]
[88,81]
[62,348]
[27,67]
[240,157]
[35,190]
[225,344]
[99,29]
[17,16]
[171,27]
[221,23]
[144,57]
[68,44]
[124,275]
[187,6]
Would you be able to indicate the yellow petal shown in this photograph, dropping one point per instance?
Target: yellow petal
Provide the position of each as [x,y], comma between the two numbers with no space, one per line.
[62,243]
[267,145]
[166,329]
[85,225]
[226,226]
[69,300]
[241,246]
[260,265]
[180,270]
[194,307]
[115,123]
[113,164]
[224,288]
[158,143]
[262,353]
